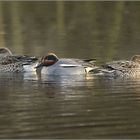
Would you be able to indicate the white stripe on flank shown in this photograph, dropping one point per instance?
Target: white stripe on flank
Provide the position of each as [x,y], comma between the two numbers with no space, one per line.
[69,65]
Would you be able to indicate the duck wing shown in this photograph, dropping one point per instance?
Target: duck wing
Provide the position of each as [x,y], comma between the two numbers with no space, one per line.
[8,60]
[89,60]
[17,59]
[76,62]
[88,64]
[69,65]
[26,58]
[120,65]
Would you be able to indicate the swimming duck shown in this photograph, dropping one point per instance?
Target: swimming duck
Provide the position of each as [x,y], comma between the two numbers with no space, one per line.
[50,64]
[123,68]
[5,52]
[16,63]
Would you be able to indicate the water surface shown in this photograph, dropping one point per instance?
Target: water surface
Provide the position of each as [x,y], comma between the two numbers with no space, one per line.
[69,107]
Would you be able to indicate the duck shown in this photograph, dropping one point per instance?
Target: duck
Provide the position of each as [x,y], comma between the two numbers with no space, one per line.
[5,52]
[50,64]
[16,63]
[122,68]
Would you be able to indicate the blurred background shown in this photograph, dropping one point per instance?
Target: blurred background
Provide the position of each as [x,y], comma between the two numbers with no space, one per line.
[80,29]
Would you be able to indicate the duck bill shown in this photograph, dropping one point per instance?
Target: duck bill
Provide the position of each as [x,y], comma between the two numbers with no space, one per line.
[39,66]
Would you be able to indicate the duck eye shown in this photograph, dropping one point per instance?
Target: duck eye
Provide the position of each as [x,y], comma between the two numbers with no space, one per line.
[50,57]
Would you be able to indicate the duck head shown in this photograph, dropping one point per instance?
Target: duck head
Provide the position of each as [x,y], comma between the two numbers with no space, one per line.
[5,52]
[48,60]
[136,58]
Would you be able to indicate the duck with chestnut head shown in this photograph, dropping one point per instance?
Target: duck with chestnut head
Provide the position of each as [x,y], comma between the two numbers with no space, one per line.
[50,64]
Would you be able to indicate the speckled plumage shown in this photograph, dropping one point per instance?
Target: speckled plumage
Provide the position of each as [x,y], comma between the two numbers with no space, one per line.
[123,68]
[14,63]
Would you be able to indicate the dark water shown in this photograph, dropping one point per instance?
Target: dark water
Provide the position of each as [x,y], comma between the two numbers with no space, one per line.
[69,107]
[32,106]
[103,30]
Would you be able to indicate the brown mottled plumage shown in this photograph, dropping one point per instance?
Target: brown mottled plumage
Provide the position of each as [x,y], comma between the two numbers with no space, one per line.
[123,68]
[13,63]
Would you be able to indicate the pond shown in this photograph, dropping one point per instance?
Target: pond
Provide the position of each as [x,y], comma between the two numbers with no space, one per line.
[33,106]
[69,107]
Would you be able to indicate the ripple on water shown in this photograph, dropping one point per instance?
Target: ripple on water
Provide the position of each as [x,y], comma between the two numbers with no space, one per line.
[69,107]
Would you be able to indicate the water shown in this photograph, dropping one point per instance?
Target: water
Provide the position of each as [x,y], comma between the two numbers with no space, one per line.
[69,107]
[32,106]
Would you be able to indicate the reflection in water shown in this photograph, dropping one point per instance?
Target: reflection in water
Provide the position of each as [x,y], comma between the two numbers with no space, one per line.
[70,80]
[30,76]
[69,107]
[103,30]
